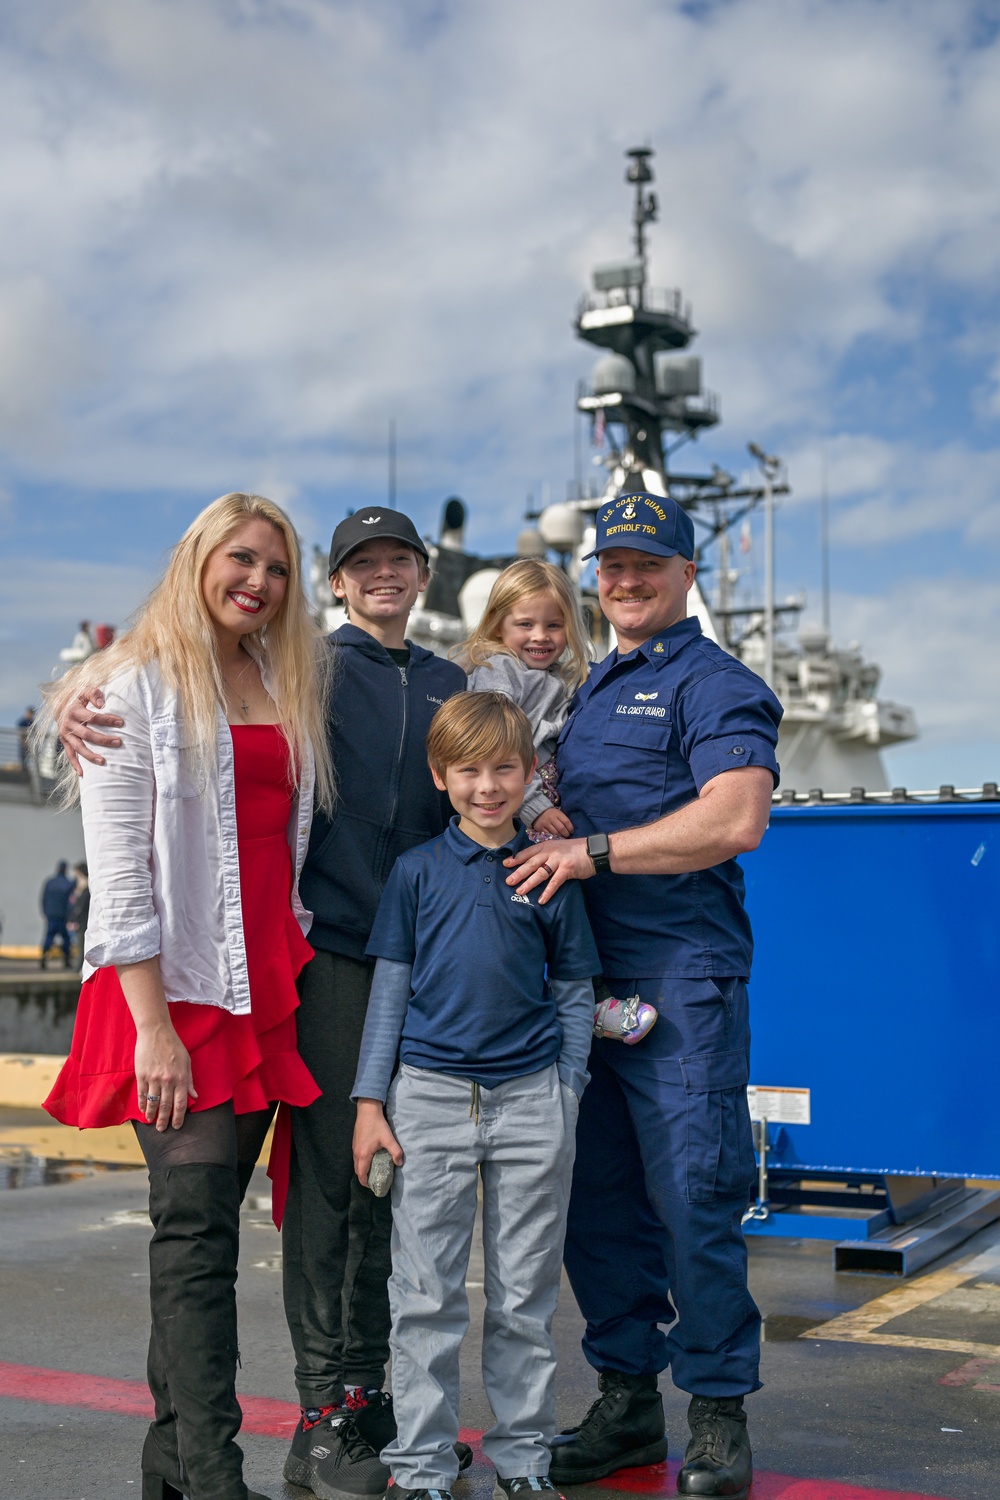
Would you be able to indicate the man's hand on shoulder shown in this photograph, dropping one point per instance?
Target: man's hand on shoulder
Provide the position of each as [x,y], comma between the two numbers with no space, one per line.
[551,865]
[79,726]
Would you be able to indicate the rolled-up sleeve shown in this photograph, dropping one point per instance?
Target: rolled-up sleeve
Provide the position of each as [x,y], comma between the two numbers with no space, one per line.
[728,719]
[118,802]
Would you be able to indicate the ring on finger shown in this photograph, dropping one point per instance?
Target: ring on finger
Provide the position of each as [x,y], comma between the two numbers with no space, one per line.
[152,1098]
[547,868]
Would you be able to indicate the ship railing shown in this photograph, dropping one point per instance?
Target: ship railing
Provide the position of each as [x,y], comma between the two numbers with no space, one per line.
[22,764]
[816,797]
[14,755]
[658,299]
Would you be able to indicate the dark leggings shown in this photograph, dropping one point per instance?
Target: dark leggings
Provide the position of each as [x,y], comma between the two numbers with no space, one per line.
[218,1136]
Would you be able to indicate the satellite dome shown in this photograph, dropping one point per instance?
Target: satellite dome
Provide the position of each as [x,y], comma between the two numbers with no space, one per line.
[561,527]
[613,373]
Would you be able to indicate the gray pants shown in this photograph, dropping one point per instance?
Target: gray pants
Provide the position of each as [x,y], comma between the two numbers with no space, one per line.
[522,1144]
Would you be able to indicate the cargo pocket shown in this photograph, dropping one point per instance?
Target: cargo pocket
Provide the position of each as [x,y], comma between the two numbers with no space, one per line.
[178,765]
[719,1161]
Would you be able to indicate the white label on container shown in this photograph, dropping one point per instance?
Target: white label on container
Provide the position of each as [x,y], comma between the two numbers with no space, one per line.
[780,1106]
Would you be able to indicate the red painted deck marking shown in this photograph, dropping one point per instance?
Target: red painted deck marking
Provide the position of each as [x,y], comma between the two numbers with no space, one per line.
[660,1479]
[973,1373]
[269,1418]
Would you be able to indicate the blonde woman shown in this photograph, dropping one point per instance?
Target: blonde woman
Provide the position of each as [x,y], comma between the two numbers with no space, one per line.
[531,646]
[196,829]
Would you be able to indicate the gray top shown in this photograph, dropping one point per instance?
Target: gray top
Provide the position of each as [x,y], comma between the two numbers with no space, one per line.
[543,696]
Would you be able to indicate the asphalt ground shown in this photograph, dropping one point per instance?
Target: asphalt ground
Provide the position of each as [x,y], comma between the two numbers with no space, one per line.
[838,1419]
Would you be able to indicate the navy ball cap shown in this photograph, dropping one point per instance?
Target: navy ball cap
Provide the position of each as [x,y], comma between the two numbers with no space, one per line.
[648,523]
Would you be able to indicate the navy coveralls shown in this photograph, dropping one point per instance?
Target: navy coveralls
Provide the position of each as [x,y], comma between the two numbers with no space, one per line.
[665,1164]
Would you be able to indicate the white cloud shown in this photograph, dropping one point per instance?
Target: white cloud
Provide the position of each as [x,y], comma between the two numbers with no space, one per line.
[884,492]
[280,223]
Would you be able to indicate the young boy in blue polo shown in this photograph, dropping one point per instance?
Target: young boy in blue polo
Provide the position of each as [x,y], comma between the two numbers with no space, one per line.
[486,998]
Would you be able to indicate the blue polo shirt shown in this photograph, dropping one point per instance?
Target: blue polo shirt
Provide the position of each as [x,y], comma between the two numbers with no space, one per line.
[479,1005]
[645,733]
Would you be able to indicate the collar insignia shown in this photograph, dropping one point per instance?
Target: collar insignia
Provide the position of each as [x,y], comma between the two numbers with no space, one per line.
[658,648]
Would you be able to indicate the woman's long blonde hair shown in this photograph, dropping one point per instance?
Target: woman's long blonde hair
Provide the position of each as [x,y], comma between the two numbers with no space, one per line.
[527,579]
[175,629]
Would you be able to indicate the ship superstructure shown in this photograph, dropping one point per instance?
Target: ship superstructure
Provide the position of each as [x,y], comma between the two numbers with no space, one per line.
[644,401]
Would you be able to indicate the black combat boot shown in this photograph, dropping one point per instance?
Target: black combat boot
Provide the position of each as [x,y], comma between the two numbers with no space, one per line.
[624,1429]
[718,1460]
[195,1209]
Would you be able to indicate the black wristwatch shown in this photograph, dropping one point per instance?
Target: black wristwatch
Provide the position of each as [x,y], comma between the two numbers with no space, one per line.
[599,849]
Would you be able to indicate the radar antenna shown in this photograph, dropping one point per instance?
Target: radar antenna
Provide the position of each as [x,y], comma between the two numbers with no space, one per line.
[646,207]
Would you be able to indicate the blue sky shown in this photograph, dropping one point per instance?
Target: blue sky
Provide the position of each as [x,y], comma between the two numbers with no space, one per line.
[238,236]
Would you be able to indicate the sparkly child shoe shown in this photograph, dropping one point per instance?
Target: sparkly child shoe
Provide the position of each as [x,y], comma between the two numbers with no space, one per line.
[627,1020]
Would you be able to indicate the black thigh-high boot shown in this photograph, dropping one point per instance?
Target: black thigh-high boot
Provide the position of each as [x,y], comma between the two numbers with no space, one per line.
[160,1458]
[195,1210]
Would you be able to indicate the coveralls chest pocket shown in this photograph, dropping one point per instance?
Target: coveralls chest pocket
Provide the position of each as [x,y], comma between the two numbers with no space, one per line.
[636,740]
[177,765]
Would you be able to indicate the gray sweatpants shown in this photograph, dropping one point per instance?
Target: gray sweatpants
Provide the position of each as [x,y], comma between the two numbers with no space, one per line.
[523,1144]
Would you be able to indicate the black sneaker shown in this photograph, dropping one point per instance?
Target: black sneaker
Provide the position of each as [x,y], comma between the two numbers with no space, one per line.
[331,1458]
[399,1493]
[718,1460]
[373,1416]
[526,1487]
[624,1429]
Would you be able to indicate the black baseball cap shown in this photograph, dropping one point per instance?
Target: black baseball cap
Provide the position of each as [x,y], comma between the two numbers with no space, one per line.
[368,523]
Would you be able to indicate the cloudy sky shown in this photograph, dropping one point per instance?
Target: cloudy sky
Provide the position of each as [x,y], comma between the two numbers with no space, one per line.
[239,235]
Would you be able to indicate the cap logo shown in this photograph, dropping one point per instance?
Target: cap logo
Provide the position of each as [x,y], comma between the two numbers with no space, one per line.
[370,520]
[645,697]
[628,514]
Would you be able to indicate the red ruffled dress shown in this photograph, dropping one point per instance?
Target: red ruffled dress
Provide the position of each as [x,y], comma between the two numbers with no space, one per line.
[251,1059]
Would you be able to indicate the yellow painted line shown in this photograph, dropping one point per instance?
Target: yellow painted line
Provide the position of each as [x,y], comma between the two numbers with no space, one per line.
[116,1143]
[904,1341]
[26,1078]
[853,1325]
[861,1324]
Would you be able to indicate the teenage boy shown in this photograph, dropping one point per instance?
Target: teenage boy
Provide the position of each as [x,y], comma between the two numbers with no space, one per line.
[335,1236]
[493,1061]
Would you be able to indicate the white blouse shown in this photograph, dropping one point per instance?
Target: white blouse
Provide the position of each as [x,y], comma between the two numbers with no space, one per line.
[160,831]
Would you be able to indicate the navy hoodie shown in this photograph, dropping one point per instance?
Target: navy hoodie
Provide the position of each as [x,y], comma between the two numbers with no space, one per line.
[386,800]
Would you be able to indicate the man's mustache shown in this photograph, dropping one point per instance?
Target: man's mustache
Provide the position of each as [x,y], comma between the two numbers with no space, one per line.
[619,596]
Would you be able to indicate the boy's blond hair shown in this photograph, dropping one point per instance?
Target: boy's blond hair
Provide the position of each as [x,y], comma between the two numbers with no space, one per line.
[478,726]
[526,579]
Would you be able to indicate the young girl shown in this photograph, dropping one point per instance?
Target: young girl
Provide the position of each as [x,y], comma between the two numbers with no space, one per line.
[531,646]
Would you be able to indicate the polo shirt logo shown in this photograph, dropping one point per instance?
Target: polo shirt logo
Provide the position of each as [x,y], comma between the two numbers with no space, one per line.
[523,900]
[432,699]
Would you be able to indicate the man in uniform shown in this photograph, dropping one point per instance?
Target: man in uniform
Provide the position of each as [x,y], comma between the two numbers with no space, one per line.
[666,767]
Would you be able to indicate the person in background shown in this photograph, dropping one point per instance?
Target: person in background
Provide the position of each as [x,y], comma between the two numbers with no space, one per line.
[487,999]
[24,724]
[55,899]
[79,912]
[196,829]
[531,646]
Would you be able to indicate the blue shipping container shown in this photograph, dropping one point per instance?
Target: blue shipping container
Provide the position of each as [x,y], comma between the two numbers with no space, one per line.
[876,984]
